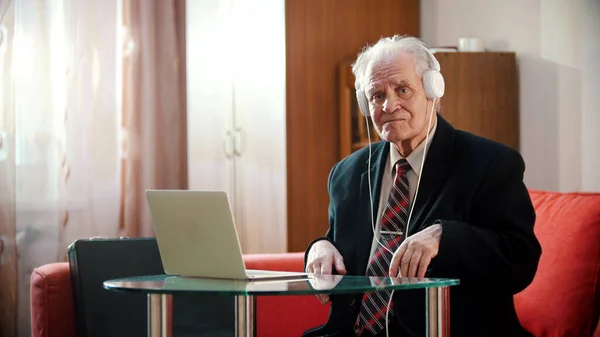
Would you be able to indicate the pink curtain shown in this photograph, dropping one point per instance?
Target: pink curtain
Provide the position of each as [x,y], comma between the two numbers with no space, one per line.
[92,113]
[64,75]
[8,249]
[154,107]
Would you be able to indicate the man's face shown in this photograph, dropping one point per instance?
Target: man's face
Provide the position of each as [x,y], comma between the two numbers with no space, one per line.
[397,101]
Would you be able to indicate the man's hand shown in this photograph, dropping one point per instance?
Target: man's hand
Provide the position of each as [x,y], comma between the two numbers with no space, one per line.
[413,256]
[324,282]
[322,257]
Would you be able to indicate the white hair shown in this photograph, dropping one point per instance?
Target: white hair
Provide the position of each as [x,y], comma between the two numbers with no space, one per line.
[391,46]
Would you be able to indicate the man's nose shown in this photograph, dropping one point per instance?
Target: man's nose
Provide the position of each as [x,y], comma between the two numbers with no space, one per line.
[391,104]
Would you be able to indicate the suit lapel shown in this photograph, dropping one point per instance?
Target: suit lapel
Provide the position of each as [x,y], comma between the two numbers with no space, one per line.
[368,211]
[435,172]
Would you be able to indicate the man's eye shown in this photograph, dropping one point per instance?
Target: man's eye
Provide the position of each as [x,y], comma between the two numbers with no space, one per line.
[404,92]
[377,97]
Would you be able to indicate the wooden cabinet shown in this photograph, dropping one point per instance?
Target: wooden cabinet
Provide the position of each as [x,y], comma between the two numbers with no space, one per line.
[353,125]
[481,97]
[482,94]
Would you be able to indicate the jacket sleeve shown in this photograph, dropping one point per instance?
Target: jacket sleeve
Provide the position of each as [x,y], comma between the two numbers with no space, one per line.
[329,235]
[498,248]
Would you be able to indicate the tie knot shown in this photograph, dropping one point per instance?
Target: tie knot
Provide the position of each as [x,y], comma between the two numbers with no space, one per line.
[402,166]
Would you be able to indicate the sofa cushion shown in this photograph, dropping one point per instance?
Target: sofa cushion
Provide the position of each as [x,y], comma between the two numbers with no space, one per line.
[52,312]
[290,314]
[564,299]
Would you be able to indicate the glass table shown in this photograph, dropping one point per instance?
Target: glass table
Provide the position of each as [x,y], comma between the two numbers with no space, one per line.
[160,289]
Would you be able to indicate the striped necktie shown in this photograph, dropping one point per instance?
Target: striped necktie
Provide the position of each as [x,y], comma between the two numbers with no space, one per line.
[393,225]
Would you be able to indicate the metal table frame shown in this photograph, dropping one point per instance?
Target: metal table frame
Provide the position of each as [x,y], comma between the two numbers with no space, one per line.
[160,314]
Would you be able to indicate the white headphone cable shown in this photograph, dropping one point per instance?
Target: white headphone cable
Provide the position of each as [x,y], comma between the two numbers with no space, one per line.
[412,203]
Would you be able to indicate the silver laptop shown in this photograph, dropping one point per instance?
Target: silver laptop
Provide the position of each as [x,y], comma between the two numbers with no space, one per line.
[196,236]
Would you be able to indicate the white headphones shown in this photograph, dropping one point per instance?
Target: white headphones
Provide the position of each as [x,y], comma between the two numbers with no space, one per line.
[433,82]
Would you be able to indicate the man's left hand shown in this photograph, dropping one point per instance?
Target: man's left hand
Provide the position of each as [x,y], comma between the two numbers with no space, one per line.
[413,256]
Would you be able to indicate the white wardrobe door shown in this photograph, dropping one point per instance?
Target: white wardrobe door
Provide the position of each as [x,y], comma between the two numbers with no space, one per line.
[260,110]
[209,95]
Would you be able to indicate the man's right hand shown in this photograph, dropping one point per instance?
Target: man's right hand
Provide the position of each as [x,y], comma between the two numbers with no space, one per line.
[322,258]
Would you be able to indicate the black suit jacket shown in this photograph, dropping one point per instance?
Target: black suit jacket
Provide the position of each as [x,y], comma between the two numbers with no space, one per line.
[474,186]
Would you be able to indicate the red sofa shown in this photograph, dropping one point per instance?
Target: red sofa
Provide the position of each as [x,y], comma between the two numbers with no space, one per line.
[563,300]
[52,312]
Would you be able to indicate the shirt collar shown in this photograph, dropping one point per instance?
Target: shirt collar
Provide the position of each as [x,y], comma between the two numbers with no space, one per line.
[415,158]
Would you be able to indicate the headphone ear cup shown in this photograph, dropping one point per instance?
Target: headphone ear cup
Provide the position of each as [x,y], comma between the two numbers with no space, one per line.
[433,83]
[363,104]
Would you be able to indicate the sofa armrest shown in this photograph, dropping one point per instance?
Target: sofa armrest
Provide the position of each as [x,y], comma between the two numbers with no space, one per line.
[52,312]
[277,262]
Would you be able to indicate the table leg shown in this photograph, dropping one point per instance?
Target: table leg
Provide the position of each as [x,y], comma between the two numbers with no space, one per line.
[160,315]
[245,319]
[437,307]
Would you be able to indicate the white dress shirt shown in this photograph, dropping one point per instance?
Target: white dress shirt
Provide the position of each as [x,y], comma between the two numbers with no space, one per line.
[415,159]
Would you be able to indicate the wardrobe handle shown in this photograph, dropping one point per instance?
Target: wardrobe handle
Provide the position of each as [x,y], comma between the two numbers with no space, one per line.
[237,142]
[3,39]
[3,145]
[3,249]
[227,144]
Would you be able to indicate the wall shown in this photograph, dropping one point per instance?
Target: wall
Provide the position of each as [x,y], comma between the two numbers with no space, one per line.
[557,43]
[590,99]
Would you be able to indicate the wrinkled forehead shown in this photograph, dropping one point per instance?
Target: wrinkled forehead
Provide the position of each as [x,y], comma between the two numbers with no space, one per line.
[390,68]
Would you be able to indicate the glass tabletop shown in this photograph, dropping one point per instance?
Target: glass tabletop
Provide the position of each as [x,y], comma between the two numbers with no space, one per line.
[311,284]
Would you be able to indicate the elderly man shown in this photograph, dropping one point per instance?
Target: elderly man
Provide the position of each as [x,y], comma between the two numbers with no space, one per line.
[427,201]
